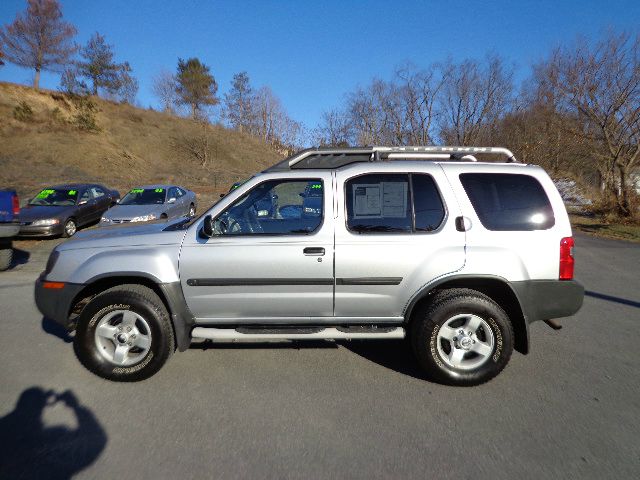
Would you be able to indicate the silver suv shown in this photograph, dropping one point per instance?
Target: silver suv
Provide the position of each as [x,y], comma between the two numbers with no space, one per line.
[457,255]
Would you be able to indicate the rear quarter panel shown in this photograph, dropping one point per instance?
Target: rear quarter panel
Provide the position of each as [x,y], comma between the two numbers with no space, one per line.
[513,255]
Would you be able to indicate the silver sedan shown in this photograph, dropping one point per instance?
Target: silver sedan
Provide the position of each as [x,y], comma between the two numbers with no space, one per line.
[152,202]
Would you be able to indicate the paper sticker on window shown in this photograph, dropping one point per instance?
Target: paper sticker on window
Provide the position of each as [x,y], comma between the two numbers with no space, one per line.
[72,192]
[378,200]
[137,190]
[159,190]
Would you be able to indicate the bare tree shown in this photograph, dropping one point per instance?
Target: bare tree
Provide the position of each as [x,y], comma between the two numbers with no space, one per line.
[237,102]
[419,93]
[475,96]
[39,38]
[164,88]
[272,123]
[334,130]
[600,83]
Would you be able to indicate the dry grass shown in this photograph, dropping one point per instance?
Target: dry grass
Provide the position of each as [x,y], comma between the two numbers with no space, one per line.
[134,146]
[594,225]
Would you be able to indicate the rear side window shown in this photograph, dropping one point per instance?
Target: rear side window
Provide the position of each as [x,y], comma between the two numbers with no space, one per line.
[429,211]
[393,203]
[508,202]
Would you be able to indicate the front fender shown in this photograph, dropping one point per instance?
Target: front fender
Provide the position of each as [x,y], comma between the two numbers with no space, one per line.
[159,264]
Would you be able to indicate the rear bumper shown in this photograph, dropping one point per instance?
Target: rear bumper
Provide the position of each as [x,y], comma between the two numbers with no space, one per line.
[547,299]
[50,231]
[55,304]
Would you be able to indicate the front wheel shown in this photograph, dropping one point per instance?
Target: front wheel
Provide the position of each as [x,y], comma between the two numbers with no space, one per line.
[70,228]
[462,338]
[124,334]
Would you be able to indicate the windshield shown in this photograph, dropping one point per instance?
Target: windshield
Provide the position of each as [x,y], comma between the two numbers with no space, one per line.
[55,197]
[144,196]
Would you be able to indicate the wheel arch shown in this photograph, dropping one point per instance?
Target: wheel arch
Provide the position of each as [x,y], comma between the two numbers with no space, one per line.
[170,294]
[496,288]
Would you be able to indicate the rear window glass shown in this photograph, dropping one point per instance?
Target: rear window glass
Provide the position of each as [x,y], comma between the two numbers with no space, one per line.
[508,202]
[429,210]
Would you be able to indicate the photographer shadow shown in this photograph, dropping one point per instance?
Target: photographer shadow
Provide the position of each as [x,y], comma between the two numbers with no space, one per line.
[31,450]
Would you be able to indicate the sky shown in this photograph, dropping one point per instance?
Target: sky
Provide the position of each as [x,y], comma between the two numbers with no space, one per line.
[312,53]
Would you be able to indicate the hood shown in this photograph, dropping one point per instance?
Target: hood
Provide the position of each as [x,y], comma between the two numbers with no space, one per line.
[126,235]
[127,212]
[29,213]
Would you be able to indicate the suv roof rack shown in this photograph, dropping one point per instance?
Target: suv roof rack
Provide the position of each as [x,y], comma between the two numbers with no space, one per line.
[331,158]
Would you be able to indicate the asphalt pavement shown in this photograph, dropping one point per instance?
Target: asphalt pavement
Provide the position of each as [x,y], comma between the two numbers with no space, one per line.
[569,409]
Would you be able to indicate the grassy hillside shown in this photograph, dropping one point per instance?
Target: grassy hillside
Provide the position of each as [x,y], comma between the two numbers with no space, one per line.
[132,146]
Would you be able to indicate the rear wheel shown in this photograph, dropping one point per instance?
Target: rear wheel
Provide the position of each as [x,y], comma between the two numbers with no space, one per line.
[70,228]
[462,338]
[124,334]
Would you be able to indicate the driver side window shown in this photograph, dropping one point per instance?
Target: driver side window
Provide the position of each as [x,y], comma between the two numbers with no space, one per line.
[275,207]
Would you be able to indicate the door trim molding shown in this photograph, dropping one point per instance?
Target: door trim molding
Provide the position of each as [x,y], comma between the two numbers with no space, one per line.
[239,282]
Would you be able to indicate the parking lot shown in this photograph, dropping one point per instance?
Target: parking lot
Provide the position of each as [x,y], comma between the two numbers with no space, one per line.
[569,409]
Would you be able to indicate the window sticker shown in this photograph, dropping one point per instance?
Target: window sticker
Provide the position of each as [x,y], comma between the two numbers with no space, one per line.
[378,200]
[45,193]
[137,190]
[159,190]
[72,192]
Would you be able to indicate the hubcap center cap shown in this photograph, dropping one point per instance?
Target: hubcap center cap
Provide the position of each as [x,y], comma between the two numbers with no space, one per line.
[122,338]
[465,342]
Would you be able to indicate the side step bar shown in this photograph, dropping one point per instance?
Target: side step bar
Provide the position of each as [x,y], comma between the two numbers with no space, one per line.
[230,334]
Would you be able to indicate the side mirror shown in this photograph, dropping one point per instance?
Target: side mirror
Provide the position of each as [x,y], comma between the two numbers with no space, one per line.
[207,226]
[171,200]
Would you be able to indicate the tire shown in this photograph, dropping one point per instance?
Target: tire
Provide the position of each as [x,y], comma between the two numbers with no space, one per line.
[469,358]
[6,257]
[70,228]
[135,319]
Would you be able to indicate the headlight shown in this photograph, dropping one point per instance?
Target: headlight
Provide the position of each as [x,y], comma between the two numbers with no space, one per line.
[144,218]
[46,222]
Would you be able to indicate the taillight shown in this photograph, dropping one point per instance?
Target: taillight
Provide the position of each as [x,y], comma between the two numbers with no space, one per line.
[16,205]
[566,258]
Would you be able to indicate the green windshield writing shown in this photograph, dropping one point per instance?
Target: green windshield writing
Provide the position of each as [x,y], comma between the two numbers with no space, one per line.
[45,193]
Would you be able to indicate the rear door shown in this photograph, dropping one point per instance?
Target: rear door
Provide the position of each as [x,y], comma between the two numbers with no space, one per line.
[102,201]
[173,209]
[395,233]
[269,261]
[86,209]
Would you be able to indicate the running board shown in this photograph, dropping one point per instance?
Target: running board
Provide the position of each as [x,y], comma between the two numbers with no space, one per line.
[331,333]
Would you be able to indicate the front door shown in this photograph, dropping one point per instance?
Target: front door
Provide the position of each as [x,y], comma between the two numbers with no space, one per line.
[271,257]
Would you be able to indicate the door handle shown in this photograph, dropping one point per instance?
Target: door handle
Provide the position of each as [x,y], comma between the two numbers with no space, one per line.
[317,251]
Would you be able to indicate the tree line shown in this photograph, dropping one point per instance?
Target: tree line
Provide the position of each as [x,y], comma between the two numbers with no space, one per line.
[578,114]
